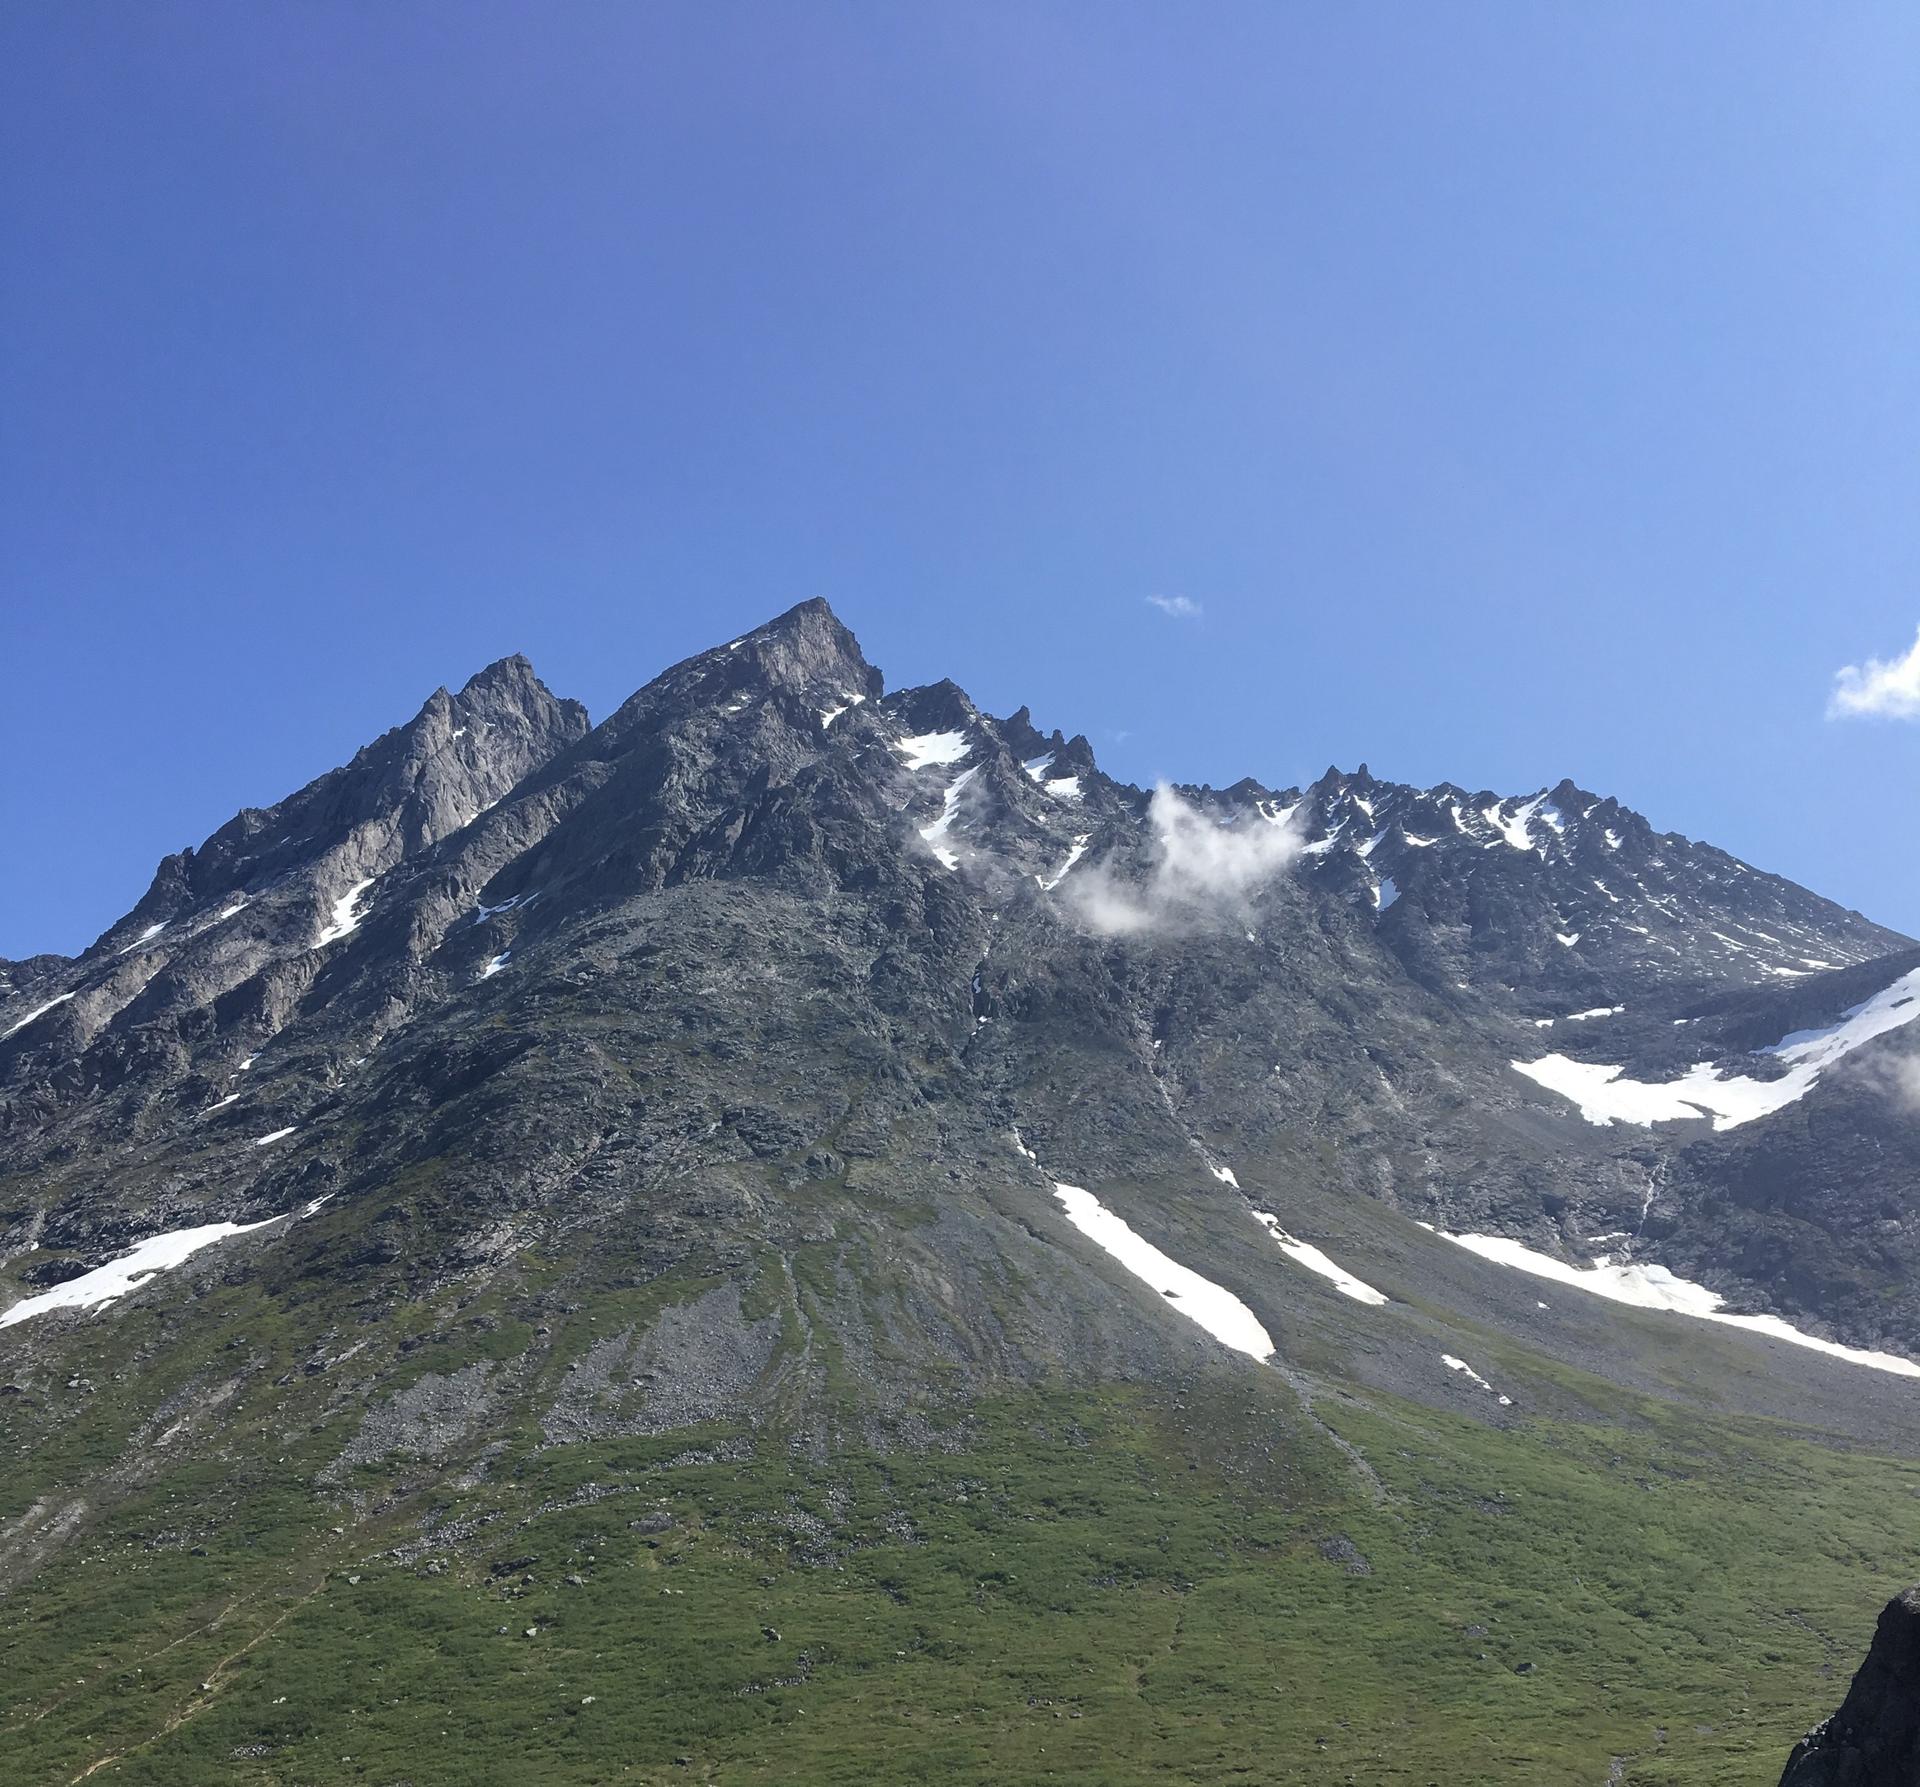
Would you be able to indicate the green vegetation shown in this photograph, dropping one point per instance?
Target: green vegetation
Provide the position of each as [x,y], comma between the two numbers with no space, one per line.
[1120,1586]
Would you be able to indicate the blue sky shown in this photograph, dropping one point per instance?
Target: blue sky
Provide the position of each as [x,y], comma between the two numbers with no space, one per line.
[1508,392]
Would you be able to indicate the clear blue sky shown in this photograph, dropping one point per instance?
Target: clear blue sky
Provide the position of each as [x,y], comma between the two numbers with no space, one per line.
[1517,391]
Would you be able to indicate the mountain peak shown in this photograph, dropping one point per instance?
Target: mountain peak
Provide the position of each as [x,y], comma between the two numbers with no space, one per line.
[510,687]
[816,608]
[805,654]
[514,670]
[413,785]
[808,642]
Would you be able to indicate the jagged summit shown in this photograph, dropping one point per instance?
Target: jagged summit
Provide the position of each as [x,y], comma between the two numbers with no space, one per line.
[510,686]
[403,792]
[808,650]
[805,659]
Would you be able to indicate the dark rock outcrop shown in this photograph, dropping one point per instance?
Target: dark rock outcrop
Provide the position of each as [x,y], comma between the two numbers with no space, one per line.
[1874,1739]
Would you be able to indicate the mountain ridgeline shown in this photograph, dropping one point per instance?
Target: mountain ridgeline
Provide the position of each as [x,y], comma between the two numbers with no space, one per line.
[785,1071]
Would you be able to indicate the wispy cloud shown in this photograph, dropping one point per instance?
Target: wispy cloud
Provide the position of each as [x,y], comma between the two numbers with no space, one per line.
[1881,688]
[1897,1076]
[1199,875]
[1180,607]
[1904,1074]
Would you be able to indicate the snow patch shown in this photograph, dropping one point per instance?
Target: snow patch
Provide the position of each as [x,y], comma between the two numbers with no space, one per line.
[39,1011]
[1049,882]
[493,967]
[482,911]
[106,1283]
[346,914]
[932,747]
[1654,1287]
[935,835]
[829,714]
[1514,827]
[1604,1097]
[1215,1308]
[279,1135]
[158,1253]
[1304,1253]
[1453,1364]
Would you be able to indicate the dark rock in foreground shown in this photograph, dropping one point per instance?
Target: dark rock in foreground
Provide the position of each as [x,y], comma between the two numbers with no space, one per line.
[1874,1739]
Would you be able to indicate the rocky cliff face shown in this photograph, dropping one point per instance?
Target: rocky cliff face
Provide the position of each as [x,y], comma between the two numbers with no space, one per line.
[1874,1739]
[230,937]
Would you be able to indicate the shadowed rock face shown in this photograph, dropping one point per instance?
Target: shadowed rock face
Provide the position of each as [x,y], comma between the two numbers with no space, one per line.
[1874,1739]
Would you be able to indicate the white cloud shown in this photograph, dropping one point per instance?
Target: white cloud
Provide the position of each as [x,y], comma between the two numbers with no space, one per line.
[1896,1077]
[1203,874]
[1886,689]
[1903,1074]
[1180,607]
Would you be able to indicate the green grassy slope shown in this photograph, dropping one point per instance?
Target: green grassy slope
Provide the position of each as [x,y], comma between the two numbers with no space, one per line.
[1119,1586]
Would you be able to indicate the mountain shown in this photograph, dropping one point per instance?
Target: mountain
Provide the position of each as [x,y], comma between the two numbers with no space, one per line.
[845,1156]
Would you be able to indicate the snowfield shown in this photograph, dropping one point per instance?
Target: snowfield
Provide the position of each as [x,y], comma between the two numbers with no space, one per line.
[39,1011]
[932,747]
[158,1253]
[935,835]
[1604,1097]
[1304,1253]
[1654,1287]
[345,916]
[1214,1307]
